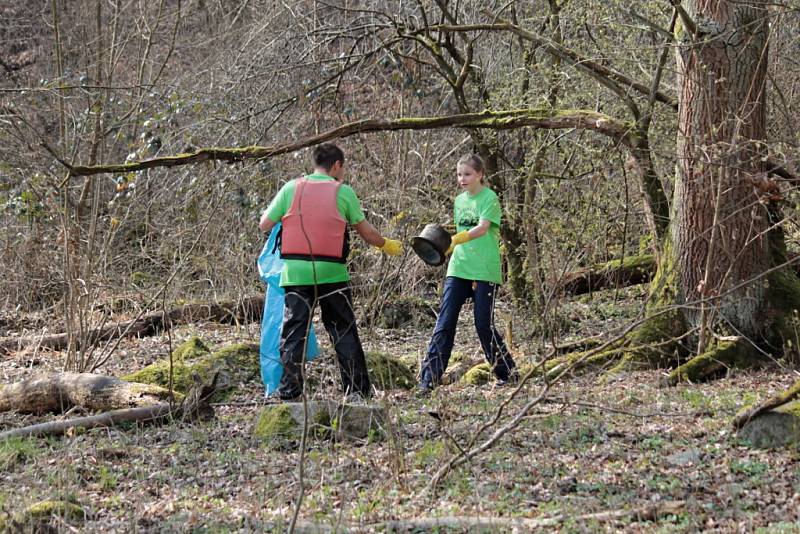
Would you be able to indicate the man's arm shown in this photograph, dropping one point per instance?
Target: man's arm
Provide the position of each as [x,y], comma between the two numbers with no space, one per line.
[369,233]
[266,224]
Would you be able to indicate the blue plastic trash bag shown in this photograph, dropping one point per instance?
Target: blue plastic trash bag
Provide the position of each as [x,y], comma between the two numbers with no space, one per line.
[269,269]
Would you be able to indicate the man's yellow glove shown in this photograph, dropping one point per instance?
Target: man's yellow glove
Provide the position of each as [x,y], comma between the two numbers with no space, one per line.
[459,239]
[392,247]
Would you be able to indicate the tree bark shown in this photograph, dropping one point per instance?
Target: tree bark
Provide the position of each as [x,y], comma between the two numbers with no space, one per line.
[720,225]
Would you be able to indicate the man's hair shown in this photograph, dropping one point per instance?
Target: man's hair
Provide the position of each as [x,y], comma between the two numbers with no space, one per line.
[326,154]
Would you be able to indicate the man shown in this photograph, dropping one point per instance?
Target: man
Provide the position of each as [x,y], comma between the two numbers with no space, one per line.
[315,211]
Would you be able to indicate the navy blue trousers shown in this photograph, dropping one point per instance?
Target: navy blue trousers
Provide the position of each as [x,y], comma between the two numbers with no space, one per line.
[456,292]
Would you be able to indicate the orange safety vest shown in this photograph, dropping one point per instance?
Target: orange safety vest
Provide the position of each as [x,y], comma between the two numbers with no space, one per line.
[313,228]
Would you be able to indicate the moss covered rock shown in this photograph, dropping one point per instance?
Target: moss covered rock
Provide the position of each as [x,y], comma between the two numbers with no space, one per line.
[387,372]
[776,428]
[478,375]
[192,360]
[281,425]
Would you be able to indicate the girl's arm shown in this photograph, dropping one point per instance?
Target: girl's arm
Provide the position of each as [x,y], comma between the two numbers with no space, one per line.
[477,231]
[468,235]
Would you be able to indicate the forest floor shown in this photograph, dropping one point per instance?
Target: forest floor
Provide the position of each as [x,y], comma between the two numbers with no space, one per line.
[591,449]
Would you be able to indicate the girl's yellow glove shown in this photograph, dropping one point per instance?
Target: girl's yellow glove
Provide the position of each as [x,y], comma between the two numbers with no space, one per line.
[459,239]
[392,247]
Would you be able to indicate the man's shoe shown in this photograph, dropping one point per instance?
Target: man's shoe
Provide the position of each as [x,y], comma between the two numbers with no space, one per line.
[424,389]
[512,380]
[290,397]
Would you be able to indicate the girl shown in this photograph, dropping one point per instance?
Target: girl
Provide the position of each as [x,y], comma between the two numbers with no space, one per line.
[474,271]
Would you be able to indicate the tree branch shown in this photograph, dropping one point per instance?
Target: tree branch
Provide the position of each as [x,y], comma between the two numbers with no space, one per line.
[493,120]
[594,69]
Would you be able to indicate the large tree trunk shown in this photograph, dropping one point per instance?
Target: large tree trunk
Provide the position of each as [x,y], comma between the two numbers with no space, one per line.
[720,227]
[725,238]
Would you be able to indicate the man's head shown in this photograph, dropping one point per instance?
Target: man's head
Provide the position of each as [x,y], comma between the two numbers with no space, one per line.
[329,158]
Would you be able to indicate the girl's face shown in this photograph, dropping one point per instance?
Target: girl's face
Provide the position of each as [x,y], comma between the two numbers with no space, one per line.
[469,178]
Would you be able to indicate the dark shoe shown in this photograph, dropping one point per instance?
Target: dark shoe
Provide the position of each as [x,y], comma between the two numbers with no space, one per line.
[424,389]
[512,380]
[291,396]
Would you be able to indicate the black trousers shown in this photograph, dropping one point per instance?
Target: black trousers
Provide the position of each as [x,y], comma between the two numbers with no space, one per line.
[336,303]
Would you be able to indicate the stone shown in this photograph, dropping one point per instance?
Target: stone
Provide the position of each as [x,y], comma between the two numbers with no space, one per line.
[776,428]
[281,425]
[684,458]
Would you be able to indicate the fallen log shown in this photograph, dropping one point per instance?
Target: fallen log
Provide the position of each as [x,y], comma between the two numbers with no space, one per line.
[194,405]
[244,311]
[616,273]
[58,392]
[649,512]
[628,272]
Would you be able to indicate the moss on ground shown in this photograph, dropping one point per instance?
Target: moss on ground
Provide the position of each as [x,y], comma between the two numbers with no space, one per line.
[478,375]
[388,372]
[192,361]
[190,349]
[36,517]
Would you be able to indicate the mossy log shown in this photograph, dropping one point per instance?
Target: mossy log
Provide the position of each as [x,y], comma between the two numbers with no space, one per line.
[720,357]
[580,362]
[616,273]
[193,361]
[59,392]
[281,425]
[246,310]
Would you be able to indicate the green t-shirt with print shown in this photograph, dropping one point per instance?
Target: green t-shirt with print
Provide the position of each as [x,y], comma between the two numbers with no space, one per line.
[478,259]
[302,272]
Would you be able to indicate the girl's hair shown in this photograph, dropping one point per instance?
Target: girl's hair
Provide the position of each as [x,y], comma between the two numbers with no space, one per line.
[474,161]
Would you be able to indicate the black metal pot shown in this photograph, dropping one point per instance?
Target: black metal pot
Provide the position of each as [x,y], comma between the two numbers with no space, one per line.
[431,244]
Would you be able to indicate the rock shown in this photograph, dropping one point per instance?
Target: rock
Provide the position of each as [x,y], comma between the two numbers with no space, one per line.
[387,372]
[776,428]
[281,425]
[684,458]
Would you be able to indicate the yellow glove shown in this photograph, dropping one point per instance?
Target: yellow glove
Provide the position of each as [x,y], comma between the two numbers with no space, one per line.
[459,239]
[392,247]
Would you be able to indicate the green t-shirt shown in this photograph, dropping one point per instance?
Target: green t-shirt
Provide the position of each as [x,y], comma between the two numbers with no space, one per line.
[301,272]
[478,259]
